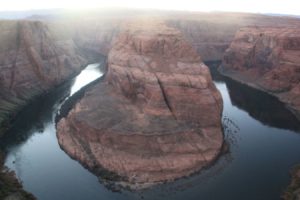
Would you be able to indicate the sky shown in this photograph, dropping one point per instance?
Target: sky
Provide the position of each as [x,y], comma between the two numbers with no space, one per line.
[256,6]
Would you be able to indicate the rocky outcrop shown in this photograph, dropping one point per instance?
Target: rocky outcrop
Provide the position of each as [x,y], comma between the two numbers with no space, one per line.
[31,62]
[292,192]
[268,59]
[156,116]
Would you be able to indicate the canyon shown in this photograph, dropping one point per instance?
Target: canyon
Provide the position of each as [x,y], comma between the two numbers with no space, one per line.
[66,43]
[156,115]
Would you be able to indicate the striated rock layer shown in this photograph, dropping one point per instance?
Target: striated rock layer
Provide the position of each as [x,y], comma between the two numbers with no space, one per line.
[156,116]
[268,59]
[31,62]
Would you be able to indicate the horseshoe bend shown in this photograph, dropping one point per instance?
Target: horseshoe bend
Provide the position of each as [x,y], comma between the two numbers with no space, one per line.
[111,103]
[155,117]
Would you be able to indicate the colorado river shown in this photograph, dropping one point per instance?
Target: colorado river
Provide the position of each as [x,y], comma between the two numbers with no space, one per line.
[263,136]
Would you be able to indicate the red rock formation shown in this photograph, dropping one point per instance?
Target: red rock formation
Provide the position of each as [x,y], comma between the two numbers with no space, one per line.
[31,62]
[157,115]
[268,59]
[211,33]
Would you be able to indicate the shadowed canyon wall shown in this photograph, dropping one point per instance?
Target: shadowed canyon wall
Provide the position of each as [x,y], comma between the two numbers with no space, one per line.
[32,62]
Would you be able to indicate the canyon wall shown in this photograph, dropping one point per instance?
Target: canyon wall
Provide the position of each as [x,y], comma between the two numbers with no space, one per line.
[156,116]
[267,58]
[210,39]
[93,37]
[211,33]
[31,63]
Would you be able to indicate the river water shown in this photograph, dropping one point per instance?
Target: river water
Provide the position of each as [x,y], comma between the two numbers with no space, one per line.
[263,136]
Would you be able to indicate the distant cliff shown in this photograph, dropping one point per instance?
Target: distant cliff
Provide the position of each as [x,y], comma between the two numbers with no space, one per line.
[267,58]
[211,33]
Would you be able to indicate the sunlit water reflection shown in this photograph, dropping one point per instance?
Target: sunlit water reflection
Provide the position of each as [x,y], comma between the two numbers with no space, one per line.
[89,74]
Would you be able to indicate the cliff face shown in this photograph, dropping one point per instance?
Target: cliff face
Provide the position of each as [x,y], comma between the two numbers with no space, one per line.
[261,106]
[97,37]
[93,35]
[210,39]
[157,115]
[268,59]
[211,33]
[31,62]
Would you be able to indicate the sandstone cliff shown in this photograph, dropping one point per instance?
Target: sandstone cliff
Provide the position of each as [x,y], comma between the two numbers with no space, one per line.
[211,33]
[267,58]
[261,106]
[31,62]
[157,115]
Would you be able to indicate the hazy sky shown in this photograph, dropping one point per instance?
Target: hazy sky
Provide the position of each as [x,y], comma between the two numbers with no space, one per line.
[261,6]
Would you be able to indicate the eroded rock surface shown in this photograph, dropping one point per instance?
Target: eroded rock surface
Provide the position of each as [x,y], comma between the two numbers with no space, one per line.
[268,59]
[156,116]
[31,62]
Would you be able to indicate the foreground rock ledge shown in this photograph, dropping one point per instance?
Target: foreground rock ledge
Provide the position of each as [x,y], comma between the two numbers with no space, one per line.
[156,116]
[267,58]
